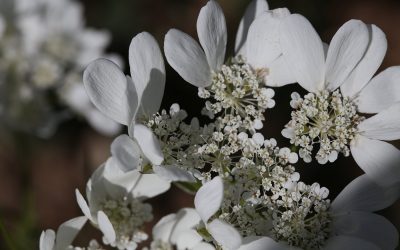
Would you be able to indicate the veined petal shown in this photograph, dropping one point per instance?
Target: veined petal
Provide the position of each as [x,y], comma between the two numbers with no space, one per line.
[383,126]
[255,8]
[127,152]
[368,65]
[173,173]
[348,243]
[102,123]
[67,232]
[368,226]
[362,194]
[150,185]
[262,46]
[83,204]
[209,197]
[187,219]
[110,91]
[187,58]
[262,243]
[226,235]
[379,160]
[303,51]
[346,49]
[106,227]
[279,73]
[47,240]
[381,92]
[211,29]
[147,72]
[148,143]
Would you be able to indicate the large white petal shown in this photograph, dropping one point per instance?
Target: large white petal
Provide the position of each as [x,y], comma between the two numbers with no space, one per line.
[381,92]
[383,126]
[188,240]
[262,243]
[147,71]
[211,29]
[67,232]
[173,173]
[379,160]
[163,229]
[148,143]
[150,185]
[187,58]
[348,243]
[255,8]
[303,52]
[368,226]
[127,152]
[203,246]
[262,46]
[187,218]
[209,197]
[279,73]
[226,235]
[110,91]
[106,227]
[368,65]
[83,204]
[47,240]
[362,194]
[346,49]
[102,123]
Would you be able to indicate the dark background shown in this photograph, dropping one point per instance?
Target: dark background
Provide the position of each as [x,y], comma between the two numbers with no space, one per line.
[38,177]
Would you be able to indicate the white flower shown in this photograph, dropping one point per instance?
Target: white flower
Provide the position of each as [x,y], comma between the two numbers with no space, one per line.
[128,100]
[354,226]
[116,203]
[179,230]
[256,41]
[354,55]
[66,233]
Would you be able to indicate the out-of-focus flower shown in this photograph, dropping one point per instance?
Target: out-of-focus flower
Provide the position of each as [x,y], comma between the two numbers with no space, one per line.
[44,48]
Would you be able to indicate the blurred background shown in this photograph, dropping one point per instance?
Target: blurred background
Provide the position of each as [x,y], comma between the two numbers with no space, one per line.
[38,177]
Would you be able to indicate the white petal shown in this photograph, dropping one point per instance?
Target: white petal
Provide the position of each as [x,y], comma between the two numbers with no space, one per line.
[262,243]
[209,197]
[262,46]
[187,218]
[379,160]
[127,152]
[106,227]
[67,232]
[203,246]
[279,73]
[187,58]
[346,49]
[362,194]
[47,240]
[226,235]
[381,92]
[188,239]
[83,204]
[102,123]
[368,226]
[303,51]
[110,91]
[150,185]
[255,8]
[368,65]
[383,126]
[211,29]
[163,229]
[149,144]
[147,72]
[348,243]
[173,173]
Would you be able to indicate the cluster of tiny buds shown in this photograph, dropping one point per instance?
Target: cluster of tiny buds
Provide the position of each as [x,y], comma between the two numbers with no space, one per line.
[127,218]
[325,119]
[93,245]
[239,91]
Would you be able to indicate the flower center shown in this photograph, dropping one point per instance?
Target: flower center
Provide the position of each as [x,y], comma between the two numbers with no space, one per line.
[325,119]
[239,91]
[127,218]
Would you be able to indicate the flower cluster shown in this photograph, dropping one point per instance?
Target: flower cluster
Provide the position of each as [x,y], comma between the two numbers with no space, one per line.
[248,190]
[44,48]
